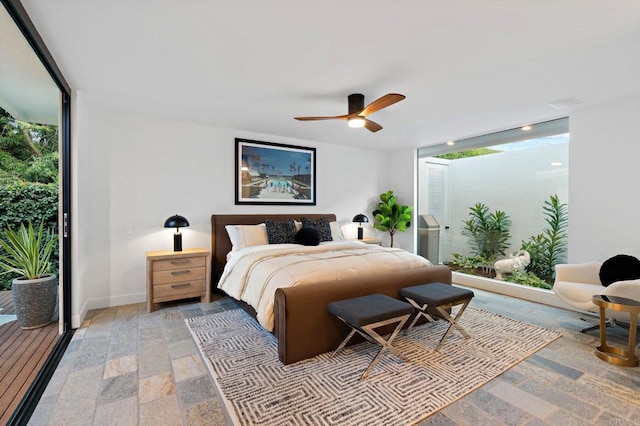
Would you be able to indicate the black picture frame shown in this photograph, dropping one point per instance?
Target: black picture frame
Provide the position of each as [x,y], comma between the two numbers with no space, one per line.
[269,173]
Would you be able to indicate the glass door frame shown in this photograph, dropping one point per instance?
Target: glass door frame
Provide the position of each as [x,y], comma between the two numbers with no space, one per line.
[26,26]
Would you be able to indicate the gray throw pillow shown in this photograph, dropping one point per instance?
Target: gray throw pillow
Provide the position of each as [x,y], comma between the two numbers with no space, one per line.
[281,232]
[321,224]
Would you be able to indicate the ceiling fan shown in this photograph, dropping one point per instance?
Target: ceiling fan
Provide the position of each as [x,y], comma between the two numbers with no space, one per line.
[357,116]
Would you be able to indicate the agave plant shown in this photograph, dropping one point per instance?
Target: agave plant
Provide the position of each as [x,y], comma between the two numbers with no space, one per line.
[391,216]
[28,251]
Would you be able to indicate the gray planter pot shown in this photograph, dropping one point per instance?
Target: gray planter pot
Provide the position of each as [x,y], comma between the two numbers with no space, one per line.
[34,301]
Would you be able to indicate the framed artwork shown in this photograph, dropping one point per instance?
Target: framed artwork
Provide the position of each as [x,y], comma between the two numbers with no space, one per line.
[274,174]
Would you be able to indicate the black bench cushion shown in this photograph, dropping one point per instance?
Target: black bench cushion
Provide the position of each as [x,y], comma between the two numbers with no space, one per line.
[436,294]
[369,309]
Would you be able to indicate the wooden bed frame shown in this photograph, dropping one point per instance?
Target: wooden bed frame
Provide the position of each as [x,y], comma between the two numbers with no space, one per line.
[303,326]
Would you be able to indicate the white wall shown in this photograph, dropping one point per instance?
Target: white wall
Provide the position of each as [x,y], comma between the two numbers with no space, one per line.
[132,172]
[604,176]
[401,180]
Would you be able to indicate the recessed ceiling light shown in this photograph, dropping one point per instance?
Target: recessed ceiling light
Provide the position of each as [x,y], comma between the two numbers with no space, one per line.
[450,143]
[525,128]
[556,163]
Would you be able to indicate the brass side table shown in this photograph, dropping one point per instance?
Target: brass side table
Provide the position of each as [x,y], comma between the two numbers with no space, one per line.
[612,354]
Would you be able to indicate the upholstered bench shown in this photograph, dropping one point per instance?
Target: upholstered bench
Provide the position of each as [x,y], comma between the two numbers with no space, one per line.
[366,313]
[441,297]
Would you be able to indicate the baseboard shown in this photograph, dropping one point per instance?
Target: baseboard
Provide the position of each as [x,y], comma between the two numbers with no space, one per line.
[107,302]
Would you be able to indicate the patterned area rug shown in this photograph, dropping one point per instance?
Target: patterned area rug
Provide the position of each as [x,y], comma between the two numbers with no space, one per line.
[259,390]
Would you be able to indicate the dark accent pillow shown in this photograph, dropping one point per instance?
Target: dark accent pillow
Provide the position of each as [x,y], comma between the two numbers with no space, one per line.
[308,236]
[321,224]
[280,232]
[621,267]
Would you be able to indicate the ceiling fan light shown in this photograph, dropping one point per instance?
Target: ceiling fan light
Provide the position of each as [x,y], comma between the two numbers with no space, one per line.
[356,122]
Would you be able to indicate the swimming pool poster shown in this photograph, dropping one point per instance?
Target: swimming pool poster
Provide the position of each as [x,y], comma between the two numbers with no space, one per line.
[274,174]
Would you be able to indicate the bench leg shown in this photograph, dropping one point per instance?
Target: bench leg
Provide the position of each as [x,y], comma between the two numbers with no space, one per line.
[421,311]
[371,335]
[453,322]
[386,344]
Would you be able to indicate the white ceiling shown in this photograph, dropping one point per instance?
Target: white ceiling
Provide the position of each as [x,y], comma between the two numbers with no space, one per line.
[466,66]
[26,90]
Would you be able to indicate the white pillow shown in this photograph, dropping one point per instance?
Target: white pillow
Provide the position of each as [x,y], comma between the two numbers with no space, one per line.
[243,236]
[336,231]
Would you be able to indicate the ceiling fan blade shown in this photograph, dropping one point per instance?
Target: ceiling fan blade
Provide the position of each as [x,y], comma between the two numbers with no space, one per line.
[383,102]
[335,117]
[372,125]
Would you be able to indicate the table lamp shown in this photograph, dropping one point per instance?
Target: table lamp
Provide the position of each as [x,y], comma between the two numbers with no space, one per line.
[360,218]
[177,222]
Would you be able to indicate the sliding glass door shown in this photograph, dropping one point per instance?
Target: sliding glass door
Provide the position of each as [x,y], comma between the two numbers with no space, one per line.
[34,188]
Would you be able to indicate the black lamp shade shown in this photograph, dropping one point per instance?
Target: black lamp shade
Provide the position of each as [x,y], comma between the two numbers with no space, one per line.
[177,222]
[360,218]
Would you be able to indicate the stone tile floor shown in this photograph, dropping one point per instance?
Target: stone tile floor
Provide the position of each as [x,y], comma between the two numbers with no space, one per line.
[128,367]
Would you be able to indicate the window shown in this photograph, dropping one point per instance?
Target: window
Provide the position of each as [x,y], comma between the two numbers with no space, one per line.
[519,172]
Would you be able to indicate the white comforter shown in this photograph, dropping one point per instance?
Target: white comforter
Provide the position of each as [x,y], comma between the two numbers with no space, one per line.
[253,274]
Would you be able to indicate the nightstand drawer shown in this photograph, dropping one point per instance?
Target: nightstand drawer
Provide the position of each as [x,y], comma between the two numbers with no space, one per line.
[178,275]
[165,292]
[174,275]
[184,263]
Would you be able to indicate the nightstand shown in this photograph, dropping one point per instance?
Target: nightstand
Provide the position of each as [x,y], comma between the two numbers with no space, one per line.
[371,241]
[174,275]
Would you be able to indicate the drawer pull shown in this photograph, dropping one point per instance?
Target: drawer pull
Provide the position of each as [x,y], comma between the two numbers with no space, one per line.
[180,262]
[181,285]
[188,271]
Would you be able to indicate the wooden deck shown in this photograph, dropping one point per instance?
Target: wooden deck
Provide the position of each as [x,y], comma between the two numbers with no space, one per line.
[22,354]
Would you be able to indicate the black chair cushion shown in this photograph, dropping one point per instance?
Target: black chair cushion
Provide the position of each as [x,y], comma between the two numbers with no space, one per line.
[621,267]
[365,310]
[436,294]
[308,236]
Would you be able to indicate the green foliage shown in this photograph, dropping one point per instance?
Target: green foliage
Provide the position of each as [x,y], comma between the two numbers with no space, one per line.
[21,202]
[28,251]
[28,151]
[391,216]
[28,181]
[488,233]
[43,169]
[475,152]
[469,264]
[549,248]
[528,279]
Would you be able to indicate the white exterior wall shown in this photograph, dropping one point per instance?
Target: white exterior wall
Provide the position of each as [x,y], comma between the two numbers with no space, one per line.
[516,182]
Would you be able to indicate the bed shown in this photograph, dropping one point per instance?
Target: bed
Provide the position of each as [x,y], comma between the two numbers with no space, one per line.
[300,320]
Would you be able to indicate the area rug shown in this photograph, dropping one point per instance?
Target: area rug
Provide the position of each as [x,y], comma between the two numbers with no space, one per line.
[259,390]
[5,319]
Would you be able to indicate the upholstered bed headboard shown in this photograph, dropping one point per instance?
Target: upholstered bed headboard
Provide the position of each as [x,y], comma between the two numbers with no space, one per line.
[221,244]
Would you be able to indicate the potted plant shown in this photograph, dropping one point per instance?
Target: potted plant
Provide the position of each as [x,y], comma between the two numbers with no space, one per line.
[391,216]
[34,292]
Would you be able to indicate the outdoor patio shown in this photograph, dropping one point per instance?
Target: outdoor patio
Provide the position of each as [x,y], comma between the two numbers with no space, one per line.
[22,354]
